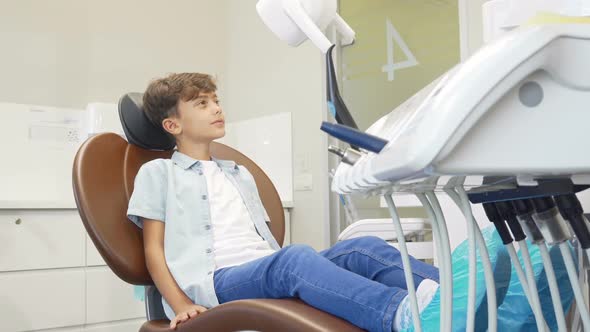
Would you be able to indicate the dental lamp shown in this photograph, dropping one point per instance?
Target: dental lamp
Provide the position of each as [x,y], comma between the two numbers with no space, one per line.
[295,21]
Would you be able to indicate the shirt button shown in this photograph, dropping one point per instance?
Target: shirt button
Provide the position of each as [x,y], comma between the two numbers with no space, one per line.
[207,227]
[210,272]
[209,251]
[204,197]
[200,172]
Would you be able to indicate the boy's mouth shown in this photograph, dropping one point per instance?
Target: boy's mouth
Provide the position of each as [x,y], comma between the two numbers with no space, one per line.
[218,122]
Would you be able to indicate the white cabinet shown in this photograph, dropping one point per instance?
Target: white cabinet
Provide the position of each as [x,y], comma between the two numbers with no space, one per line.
[35,300]
[52,277]
[131,325]
[109,298]
[40,239]
[126,326]
[93,257]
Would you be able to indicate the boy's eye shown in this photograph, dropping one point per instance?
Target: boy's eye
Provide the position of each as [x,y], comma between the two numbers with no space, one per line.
[217,102]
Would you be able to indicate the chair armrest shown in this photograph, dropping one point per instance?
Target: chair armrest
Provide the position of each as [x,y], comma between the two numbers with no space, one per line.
[288,315]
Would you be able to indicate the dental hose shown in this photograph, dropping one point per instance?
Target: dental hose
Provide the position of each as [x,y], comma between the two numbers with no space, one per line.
[406,263]
[460,198]
[447,256]
[552,280]
[446,283]
[557,231]
[471,285]
[530,273]
[487,266]
[489,280]
[524,210]
[573,276]
[582,279]
[571,210]
[508,213]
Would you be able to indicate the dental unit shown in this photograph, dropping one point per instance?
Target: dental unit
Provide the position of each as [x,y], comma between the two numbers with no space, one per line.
[513,117]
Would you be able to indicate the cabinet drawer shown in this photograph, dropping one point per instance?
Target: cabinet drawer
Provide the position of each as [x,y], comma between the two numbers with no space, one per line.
[93,257]
[125,326]
[131,325]
[109,298]
[40,239]
[34,300]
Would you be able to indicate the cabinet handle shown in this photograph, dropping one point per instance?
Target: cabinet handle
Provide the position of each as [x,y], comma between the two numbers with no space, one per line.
[18,221]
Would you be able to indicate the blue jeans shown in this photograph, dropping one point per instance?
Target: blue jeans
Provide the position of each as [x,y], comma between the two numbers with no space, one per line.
[360,280]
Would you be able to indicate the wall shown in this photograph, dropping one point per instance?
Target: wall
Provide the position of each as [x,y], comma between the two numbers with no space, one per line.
[471,26]
[266,76]
[67,53]
[401,47]
[44,53]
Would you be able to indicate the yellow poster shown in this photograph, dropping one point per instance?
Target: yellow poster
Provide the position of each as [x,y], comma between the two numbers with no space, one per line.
[400,47]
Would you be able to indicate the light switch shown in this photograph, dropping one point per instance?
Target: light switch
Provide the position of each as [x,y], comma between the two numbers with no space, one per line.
[304,182]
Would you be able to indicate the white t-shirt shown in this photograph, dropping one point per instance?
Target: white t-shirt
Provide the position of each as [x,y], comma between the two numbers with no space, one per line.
[235,240]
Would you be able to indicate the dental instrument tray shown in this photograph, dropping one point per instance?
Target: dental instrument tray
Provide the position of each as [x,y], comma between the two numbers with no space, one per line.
[517,109]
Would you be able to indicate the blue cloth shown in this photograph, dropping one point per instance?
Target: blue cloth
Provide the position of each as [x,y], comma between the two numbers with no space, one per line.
[515,314]
[360,280]
[174,191]
[501,267]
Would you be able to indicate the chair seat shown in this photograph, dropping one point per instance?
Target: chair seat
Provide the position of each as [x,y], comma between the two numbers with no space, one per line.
[258,315]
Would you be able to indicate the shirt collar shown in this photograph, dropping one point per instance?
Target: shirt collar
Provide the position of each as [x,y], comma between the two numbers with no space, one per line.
[187,162]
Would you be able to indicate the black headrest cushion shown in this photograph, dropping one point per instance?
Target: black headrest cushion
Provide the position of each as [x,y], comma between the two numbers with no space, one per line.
[138,128]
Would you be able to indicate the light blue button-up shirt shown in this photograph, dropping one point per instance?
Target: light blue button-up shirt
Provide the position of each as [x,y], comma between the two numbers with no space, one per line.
[174,191]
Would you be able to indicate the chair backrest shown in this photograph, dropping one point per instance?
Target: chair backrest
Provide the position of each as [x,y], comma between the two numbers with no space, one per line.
[104,171]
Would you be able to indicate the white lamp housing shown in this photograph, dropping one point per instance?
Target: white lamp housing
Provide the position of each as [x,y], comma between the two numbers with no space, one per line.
[295,21]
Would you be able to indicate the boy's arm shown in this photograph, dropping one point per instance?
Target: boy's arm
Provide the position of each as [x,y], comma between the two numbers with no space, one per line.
[153,239]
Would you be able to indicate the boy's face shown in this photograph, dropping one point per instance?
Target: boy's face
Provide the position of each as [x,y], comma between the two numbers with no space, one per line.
[199,120]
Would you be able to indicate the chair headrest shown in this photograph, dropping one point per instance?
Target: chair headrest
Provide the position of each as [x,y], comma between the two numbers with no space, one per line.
[138,128]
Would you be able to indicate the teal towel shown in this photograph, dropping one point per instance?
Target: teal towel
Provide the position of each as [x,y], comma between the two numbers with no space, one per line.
[501,266]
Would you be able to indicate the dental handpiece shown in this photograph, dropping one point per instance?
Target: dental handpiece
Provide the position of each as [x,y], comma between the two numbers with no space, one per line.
[494,217]
[349,156]
[507,213]
[570,208]
[524,210]
[524,213]
[547,218]
[354,137]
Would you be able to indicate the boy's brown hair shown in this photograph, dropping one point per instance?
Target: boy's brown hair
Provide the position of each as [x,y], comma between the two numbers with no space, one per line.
[162,95]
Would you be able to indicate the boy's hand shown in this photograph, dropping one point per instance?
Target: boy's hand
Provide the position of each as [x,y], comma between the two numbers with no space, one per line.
[186,314]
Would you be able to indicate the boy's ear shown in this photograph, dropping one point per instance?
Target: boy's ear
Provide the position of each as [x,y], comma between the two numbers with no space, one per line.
[172,126]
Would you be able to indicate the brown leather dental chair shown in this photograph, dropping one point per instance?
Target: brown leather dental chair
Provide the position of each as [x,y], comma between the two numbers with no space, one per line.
[103,175]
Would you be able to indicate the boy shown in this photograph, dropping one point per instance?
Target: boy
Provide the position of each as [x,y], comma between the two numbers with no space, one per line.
[206,241]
